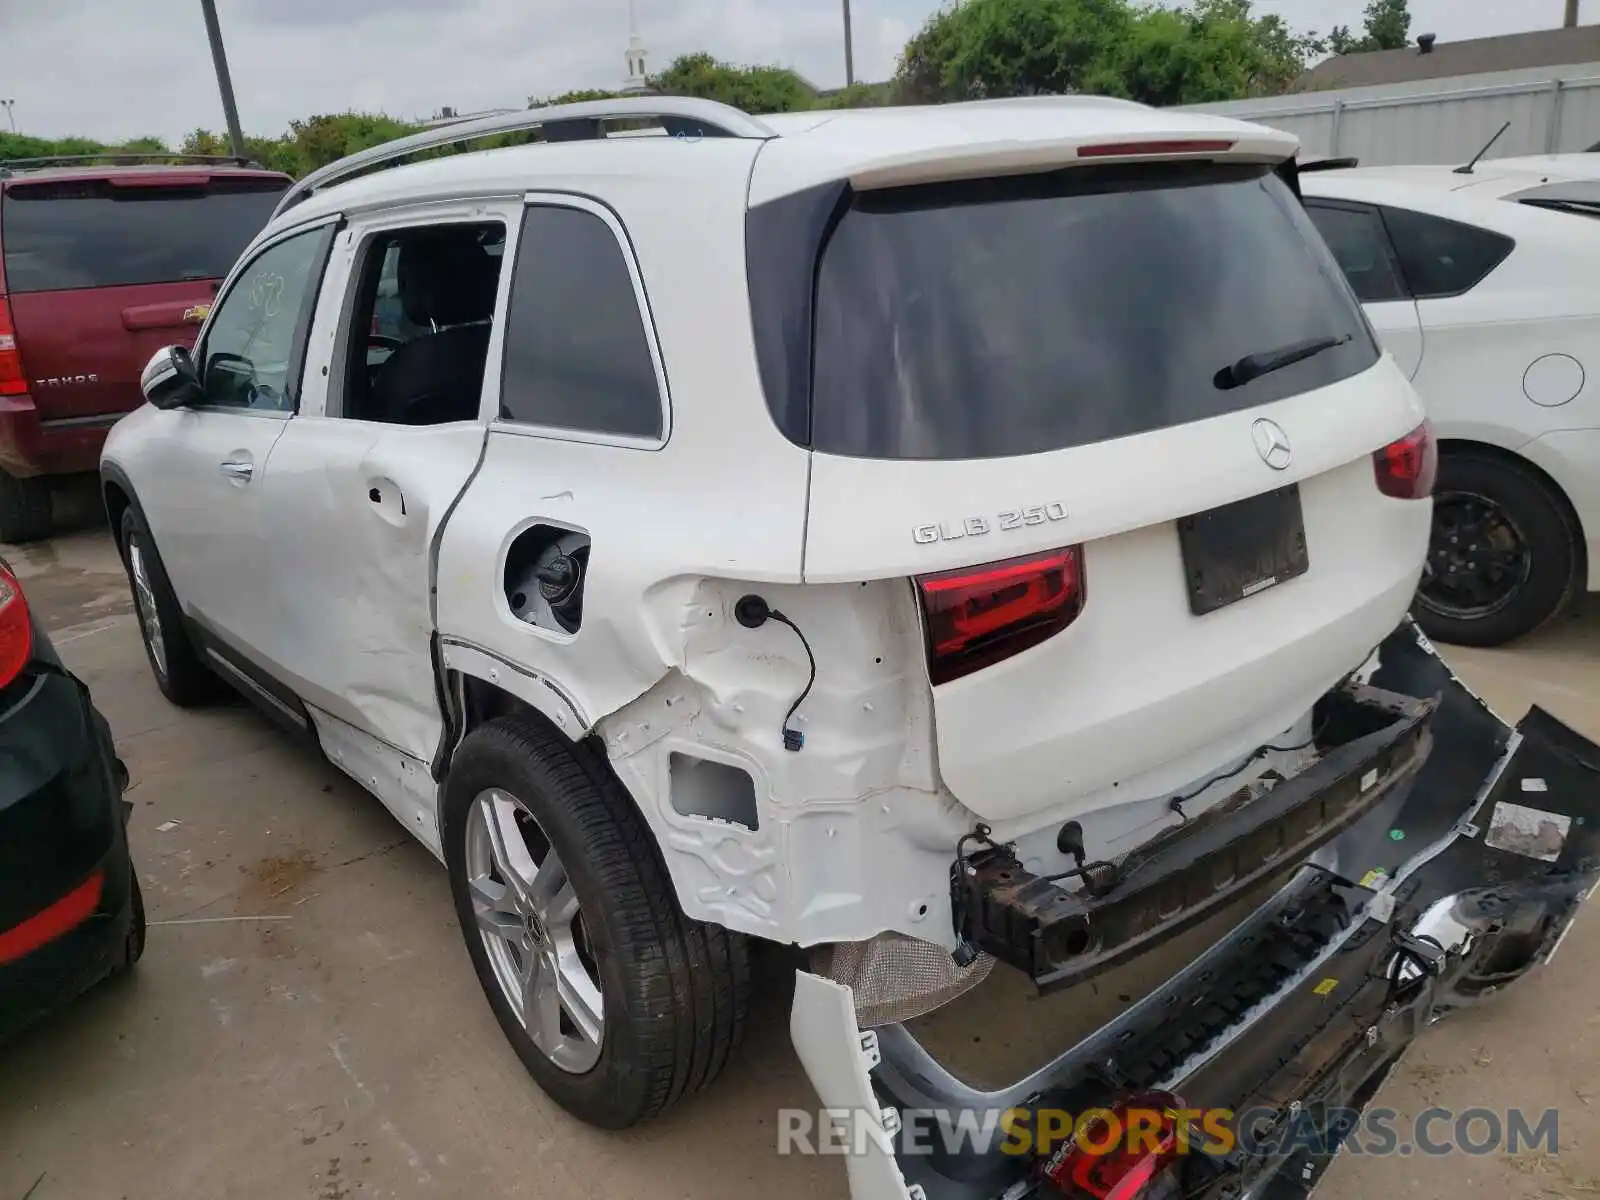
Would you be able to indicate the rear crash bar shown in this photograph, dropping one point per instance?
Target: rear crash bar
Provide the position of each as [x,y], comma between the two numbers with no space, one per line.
[1471,873]
[1372,740]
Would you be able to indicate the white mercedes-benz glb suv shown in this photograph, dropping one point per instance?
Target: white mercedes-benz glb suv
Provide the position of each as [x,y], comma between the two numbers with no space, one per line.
[924,538]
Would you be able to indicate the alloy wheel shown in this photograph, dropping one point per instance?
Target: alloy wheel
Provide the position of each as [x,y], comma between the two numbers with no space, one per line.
[533,930]
[145,597]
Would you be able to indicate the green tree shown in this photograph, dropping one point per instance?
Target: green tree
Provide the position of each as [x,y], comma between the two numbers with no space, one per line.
[1387,27]
[861,95]
[20,145]
[326,138]
[990,48]
[1209,50]
[1215,50]
[572,97]
[754,89]
[144,145]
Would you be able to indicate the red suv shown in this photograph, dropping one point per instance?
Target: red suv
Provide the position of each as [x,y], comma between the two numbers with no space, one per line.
[100,266]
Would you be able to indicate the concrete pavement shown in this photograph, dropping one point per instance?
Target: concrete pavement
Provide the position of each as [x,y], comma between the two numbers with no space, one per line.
[342,1049]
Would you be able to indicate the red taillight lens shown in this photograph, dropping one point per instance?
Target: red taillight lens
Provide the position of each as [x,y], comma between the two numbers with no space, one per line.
[977,616]
[67,913]
[12,380]
[16,633]
[1407,468]
[1131,149]
[1128,1154]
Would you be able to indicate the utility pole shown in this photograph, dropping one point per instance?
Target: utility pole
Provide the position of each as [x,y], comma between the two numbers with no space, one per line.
[850,48]
[219,58]
[1572,15]
[10,116]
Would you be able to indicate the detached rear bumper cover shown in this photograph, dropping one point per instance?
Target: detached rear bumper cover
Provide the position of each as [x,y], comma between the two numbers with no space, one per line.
[1476,864]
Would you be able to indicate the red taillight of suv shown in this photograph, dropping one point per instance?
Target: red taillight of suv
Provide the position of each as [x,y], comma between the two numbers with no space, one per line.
[1407,468]
[977,616]
[16,633]
[12,380]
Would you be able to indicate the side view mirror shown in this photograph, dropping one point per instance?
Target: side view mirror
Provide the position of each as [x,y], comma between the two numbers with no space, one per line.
[169,379]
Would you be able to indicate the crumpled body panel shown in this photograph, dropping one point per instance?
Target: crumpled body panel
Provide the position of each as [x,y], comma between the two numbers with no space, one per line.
[1457,884]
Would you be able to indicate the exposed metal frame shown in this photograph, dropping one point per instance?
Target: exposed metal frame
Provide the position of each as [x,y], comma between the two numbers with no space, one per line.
[685,116]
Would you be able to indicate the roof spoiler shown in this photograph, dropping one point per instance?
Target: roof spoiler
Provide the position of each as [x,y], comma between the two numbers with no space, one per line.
[1327,164]
[115,159]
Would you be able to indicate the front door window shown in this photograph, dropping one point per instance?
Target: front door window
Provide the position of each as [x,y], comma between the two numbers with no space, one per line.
[254,346]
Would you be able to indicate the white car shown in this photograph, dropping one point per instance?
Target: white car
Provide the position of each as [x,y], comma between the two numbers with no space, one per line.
[1484,288]
[920,537]
[1583,164]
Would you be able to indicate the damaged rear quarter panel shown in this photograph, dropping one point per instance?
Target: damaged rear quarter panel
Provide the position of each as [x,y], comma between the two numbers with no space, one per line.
[659,666]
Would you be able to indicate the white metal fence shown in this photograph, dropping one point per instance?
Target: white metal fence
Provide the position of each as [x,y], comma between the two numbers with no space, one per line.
[1440,120]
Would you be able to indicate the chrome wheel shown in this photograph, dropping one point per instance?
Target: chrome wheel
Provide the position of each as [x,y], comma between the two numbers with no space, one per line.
[145,595]
[533,930]
[1478,559]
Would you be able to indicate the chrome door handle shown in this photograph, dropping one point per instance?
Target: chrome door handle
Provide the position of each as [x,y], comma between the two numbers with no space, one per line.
[235,468]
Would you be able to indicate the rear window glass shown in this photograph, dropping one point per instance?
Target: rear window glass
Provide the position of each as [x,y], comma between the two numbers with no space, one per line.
[1011,316]
[1440,257]
[1361,247]
[57,236]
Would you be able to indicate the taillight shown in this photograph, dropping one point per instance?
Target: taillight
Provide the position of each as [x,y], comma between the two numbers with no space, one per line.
[1129,1153]
[1170,146]
[977,616]
[65,915]
[1407,468]
[16,634]
[12,380]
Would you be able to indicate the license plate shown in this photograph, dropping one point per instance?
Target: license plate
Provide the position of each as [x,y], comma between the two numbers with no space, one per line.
[1243,548]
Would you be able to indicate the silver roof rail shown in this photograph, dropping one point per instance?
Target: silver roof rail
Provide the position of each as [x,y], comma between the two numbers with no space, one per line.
[686,116]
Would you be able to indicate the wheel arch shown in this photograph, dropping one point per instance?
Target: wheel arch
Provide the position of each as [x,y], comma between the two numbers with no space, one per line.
[116,491]
[1511,458]
[477,687]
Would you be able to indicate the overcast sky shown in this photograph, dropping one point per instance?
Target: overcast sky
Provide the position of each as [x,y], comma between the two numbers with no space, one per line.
[113,69]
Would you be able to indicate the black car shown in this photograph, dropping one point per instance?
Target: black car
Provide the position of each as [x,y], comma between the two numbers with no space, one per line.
[70,910]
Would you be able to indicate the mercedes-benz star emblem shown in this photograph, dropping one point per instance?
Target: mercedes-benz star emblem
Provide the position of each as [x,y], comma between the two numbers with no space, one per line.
[1272,443]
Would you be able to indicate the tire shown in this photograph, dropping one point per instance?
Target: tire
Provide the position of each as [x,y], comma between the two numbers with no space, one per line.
[181,676]
[674,992]
[25,514]
[1534,517]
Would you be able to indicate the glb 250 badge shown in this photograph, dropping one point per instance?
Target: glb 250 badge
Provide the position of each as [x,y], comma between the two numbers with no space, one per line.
[1011,518]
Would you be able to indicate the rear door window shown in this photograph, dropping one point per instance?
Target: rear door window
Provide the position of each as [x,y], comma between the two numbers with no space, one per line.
[1360,245]
[1443,258]
[93,233]
[1011,316]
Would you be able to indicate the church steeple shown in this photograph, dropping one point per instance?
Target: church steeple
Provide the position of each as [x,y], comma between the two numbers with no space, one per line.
[638,79]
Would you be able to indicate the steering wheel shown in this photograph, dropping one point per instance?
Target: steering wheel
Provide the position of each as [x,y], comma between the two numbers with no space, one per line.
[382,341]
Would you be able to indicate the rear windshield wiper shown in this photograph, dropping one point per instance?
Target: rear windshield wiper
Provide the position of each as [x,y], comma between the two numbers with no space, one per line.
[1254,366]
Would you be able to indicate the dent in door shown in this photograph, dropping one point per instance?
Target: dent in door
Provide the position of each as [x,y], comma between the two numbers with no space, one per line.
[392,687]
